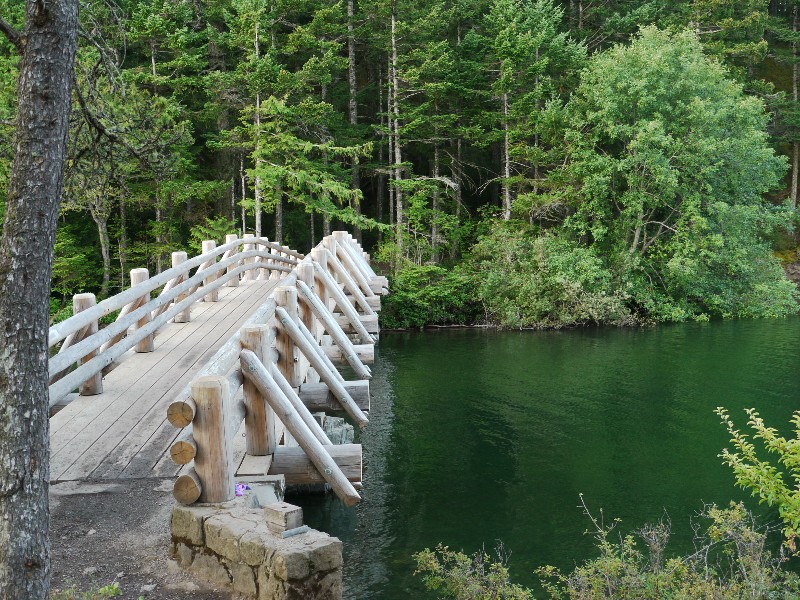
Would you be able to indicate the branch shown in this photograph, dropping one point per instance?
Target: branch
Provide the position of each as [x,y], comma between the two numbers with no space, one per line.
[98,126]
[12,34]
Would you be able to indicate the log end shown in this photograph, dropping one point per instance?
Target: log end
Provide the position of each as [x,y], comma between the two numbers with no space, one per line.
[187,488]
[351,499]
[182,452]
[180,413]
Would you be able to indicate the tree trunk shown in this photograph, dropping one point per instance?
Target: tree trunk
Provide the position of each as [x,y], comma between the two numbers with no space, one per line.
[456,172]
[159,237]
[435,221]
[506,162]
[379,179]
[101,221]
[390,139]
[279,216]
[123,243]
[233,200]
[326,224]
[398,153]
[26,258]
[244,194]
[257,183]
[795,143]
[355,174]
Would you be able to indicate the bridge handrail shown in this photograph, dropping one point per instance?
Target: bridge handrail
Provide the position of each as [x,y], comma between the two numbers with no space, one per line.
[61,388]
[77,322]
[188,286]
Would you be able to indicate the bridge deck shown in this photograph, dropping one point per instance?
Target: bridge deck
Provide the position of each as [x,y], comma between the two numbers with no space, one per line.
[123,432]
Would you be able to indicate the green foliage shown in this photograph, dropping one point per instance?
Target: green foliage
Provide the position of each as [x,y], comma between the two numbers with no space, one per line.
[732,561]
[668,165]
[529,280]
[111,590]
[214,228]
[75,268]
[755,472]
[429,295]
[457,575]
[648,167]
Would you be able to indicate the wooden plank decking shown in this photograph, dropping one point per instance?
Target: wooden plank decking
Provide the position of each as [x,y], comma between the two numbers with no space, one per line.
[123,433]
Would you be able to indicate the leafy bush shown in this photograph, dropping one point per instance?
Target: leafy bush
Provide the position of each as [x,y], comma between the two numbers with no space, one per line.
[668,164]
[760,476]
[476,577]
[731,561]
[525,280]
[429,295]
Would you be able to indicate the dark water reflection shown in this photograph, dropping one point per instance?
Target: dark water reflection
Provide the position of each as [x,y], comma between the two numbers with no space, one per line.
[480,436]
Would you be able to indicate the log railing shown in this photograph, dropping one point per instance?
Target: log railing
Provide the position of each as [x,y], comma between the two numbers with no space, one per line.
[283,359]
[95,350]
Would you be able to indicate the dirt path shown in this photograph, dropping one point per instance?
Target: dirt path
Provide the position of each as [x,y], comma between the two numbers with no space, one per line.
[119,531]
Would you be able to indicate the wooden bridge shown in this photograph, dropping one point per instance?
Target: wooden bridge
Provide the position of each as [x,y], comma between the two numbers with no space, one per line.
[218,374]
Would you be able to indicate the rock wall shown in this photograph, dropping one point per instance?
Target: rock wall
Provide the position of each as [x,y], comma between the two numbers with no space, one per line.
[232,544]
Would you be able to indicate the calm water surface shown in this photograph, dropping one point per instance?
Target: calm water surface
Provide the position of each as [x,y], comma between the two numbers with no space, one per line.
[479,436]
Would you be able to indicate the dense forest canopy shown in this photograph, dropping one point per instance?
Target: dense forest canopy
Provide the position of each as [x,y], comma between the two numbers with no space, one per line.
[529,162]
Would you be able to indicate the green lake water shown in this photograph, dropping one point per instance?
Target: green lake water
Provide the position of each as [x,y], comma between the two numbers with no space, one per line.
[477,436]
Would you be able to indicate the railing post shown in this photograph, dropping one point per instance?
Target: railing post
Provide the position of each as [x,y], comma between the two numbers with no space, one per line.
[232,237]
[251,274]
[259,418]
[264,273]
[213,296]
[319,256]
[305,273]
[184,316]
[214,460]
[93,385]
[286,296]
[275,274]
[138,276]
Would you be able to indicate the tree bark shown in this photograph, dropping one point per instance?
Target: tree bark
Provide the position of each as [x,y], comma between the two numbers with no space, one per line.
[355,174]
[123,243]
[795,144]
[398,153]
[257,183]
[101,221]
[244,194]
[381,179]
[26,257]
[456,173]
[435,222]
[506,162]
[279,215]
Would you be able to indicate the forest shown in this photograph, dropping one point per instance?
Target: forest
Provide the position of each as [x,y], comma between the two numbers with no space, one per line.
[527,163]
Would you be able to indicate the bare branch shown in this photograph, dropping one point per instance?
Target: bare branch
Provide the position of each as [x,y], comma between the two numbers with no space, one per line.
[12,34]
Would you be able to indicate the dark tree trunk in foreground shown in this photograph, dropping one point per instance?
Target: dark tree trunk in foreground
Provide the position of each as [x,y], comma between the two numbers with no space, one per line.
[47,47]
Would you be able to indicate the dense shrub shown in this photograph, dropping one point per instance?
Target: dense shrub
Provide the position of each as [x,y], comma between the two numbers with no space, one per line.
[525,280]
[429,295]
[732,561]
